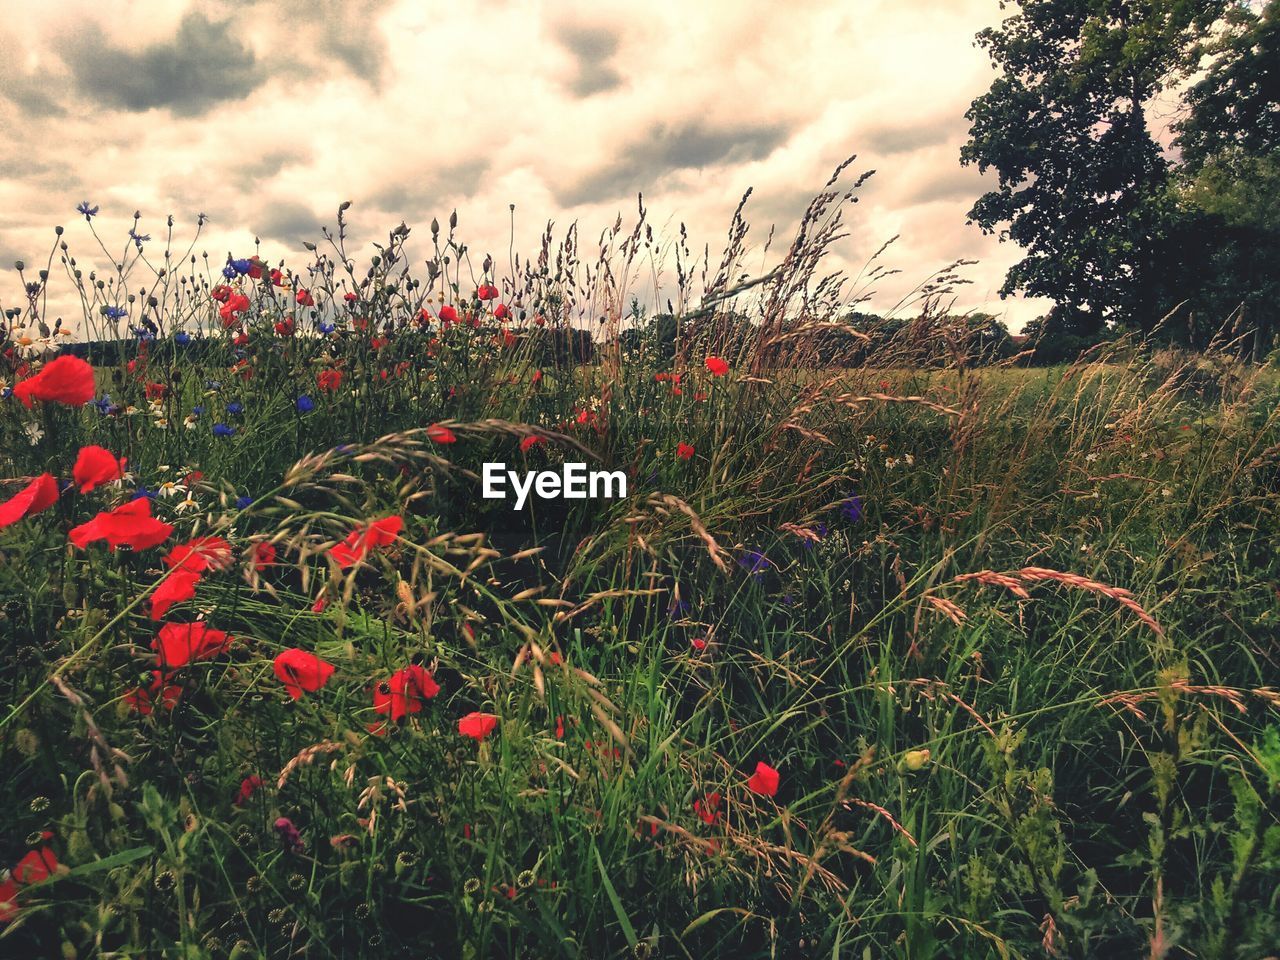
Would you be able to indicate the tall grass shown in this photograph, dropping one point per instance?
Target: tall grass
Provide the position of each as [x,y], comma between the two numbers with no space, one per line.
[1008,635]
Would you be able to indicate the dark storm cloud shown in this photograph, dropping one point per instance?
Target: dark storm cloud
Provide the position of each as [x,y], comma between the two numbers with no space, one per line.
[317,34]
[202,66]
[286,222]
[906,138]
[419,197]
[591,48]
[664,149]
[951,185]
[271,163]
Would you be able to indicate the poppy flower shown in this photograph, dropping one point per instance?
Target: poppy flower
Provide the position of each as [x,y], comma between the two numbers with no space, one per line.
[717,367]
[764,781]
[708,808]
[221,293]
[502,312]
[177,587]
[40,494]
[235,304]
[448,315]
[441,434]
[64,379]
[684,451]
[350,297]
[179,644]
[360,541]
[199,555]
[96,466]
[487,291]
[329,379]
[130,524]
[301,671]
[304,297]
[264,555]
[528,443]
[405,692]
[248,787]
[159,692]
[36,866]
[285,327]
[477,725]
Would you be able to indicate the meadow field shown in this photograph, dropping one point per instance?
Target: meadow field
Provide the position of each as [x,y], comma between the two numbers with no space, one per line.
[881,661]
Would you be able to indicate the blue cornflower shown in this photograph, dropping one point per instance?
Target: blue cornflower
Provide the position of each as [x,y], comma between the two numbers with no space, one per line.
[139,238]
[344,448]
[235,408]
[197,409]
[241,267]
[88,211]
[851,508]
[229,272]
[678,609]
[182,338]
[325,328]
[103,403]
[212,385]
[143,492]
[243,502]
[305,404]
[114,313]
[222,430]
[821,530]
[755,563]
[143,334]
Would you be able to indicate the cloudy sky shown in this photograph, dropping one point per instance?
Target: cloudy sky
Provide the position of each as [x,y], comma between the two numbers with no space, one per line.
[267,115]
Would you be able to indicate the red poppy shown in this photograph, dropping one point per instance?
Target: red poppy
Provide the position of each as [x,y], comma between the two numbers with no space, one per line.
[477,725]
[236,304]
[220,293]
[285,327]
[130,524]
[684,451]
[264,555]
[301,671]
[277,278]
[155,391]
[178,587]
[96,466]
[378,342]
[448,315]
[708,808]
[248,787]
[36,866]
[487,291]
[159,692]
[537,375]
[405,692]
[64,379]
[528,443]
[764,781]
[329,379]
[40,494]
[255,268]
[502,312]
[698,643]
[360,541]
[200,554]
[423,317]
[304,297]
[179,644]
[717,367]
[441,434]
[350,297]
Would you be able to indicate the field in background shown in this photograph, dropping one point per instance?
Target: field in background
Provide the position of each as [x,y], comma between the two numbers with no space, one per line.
[1007,638]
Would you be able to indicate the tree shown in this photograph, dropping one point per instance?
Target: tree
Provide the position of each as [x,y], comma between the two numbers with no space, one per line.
[1228,186]
[1082,184]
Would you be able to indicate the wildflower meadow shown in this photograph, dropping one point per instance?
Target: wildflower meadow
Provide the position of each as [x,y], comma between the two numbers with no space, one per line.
[891,648]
